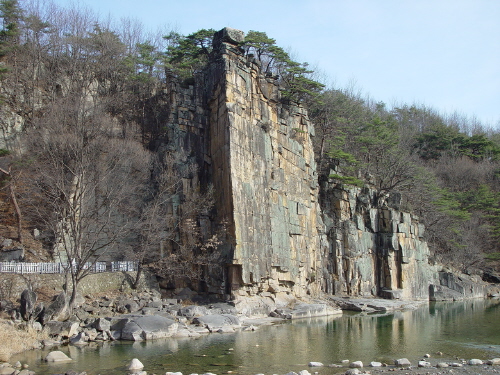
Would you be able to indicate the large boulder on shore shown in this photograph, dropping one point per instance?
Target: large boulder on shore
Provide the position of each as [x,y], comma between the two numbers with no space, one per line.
[143,327]
[28,302]
[58,310]
[456,287]
[215,322]
[63,329]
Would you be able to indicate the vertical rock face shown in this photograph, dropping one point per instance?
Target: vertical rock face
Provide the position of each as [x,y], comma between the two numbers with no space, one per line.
[265,177]
[258,154]
[375,249]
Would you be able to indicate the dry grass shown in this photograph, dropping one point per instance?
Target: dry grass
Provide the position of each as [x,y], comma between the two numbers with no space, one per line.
[16,340]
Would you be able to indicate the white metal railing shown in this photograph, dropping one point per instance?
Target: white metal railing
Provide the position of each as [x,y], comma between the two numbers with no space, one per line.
[120,266]
[25,268]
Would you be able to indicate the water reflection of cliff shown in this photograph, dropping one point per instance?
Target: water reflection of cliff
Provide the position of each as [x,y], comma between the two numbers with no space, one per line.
[445,327]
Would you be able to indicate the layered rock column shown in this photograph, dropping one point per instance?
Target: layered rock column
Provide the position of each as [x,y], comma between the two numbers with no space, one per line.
[265,178]
[375,249]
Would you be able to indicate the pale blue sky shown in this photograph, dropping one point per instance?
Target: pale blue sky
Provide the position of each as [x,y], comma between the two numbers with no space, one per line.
[442,53]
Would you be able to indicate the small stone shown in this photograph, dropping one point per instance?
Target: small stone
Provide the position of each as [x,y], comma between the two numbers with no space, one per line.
[439,353]
[57,356]
[402,362]
[493,361]
[135,364]
[424,364]
[315,364]
[303,372]
[356,364]
[427,356]
[475,362]
[442,365]
[345,361]
[17,364]
[375,364]
[352,371]
[456,364]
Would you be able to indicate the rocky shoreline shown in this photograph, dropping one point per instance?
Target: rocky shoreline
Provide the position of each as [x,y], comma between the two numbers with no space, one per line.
[147,316]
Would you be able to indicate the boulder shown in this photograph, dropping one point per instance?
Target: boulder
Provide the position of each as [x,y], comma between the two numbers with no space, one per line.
[456,287]
[28,302]
[315,364]
[229,35]
[222,308]
[424,364]
[135,364]
[79,340]
[356,364]
[143,327]
[375,364]
[475,362]
[91,333]
[215,322]
[352,371]
[7,370]
[131,306]
[64,329]
[442,365]
[37,326]
[58,310]
[193,311]
[15,254]
[102,324]
[442,293]
[402,362]
[79,300]
[494,361]
[57,356]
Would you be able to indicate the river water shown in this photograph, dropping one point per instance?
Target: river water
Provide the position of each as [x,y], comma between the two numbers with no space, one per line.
[469,329]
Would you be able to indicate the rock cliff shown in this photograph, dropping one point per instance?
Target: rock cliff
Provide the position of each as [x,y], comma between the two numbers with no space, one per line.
[258,155]
[286,234]
[265,178]
[375,249]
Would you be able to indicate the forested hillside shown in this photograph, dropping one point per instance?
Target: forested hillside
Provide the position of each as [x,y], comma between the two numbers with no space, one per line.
[81,113]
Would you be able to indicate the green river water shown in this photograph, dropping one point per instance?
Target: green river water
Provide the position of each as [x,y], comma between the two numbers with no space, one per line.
[469,329]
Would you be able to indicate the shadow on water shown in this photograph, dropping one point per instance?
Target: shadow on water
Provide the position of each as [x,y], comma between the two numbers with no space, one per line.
[467,329]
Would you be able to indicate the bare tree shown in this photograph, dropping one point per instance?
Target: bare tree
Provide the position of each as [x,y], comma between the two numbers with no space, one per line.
[11,184]
[177,237]
[86,182]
